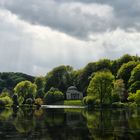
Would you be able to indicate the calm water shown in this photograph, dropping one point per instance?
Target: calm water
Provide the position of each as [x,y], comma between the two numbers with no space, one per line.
[69,124]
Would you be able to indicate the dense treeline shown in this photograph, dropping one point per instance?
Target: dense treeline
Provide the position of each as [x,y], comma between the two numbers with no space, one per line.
[10,79]
[102,82]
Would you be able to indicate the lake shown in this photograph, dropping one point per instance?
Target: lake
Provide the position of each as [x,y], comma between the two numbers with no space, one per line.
[69,124]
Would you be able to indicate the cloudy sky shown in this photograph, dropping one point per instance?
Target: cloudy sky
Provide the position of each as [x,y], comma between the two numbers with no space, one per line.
[38,35]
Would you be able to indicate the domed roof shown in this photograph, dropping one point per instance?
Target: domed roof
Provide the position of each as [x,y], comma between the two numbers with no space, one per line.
[72,88]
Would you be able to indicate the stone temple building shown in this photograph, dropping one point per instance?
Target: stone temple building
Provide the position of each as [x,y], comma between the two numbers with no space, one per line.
[73,94]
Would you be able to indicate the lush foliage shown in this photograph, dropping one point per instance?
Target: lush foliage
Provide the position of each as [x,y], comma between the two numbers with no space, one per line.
[89,100]
[135,97]
[40,82]
[101,86]
[134,87]
[25,90]
[135,76]
[5,99]
[125,71]
[60,77]
[53,95]
[119,93]
[38,101]
[10,80]
[102,82]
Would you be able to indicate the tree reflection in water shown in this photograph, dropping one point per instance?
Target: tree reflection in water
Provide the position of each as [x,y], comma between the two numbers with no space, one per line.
[75,124]
[113,124]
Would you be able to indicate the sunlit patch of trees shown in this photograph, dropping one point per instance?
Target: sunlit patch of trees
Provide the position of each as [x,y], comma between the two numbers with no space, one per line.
[103,83]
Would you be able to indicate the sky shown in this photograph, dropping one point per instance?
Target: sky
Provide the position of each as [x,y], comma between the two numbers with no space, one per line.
[38,35]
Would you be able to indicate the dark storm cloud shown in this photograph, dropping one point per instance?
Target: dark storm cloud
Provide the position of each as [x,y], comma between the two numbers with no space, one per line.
[73,18]
[68,16]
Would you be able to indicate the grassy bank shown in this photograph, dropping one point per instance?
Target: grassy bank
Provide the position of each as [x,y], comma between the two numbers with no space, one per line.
[70,102]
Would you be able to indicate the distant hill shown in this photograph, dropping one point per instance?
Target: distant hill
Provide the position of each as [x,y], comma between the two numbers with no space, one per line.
[10,79]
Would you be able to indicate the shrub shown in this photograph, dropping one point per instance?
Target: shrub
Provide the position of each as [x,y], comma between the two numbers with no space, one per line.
[6,101]
[131,97]
[134,87]
[4,93]
[38,101]
[53,95]
[135,97]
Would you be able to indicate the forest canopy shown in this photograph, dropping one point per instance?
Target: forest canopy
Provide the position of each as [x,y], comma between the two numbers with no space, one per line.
[104,81]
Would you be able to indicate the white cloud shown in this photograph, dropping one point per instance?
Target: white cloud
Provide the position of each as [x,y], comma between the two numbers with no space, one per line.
[73,18]
[35,49]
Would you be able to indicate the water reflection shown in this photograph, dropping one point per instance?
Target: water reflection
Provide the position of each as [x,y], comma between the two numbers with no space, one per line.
[73,124]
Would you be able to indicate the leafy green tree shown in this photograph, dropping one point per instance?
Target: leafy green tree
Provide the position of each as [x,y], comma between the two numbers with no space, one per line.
[118,93]
[53,95]
[40,83]
[125,71]
[89,100]
[135,97]
[124,59]
[116,64]
[60,77]
[82,76]
[131,97]
[134,87]
[38,101]
[25,90]
[103,64]
[101,86]
[135,75]
[10,79]
[114,67]
[5,99]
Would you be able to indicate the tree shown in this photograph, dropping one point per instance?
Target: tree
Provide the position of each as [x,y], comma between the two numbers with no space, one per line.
[82,76]
[10,79]
[40,82]
[103,64]
[135,75]
[118,93]
[101,86]
[40,94]
[38,101]
[124,59]
[125,71]
[116,64]
[60,77]
[53,95]
[134,87]
[5,99]
[25,90]
[135,97]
